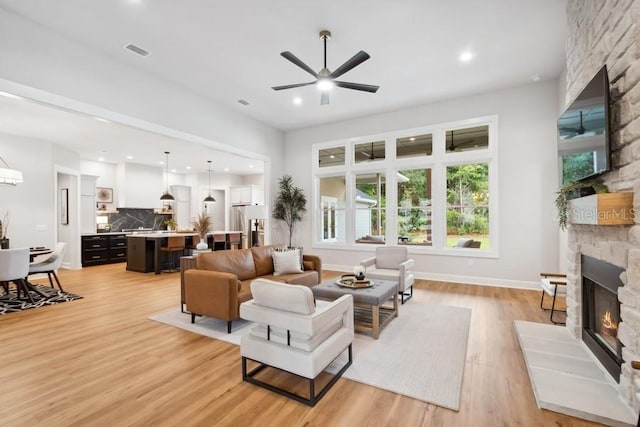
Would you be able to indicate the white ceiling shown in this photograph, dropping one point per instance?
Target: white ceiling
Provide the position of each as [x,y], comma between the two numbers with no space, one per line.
[231,50]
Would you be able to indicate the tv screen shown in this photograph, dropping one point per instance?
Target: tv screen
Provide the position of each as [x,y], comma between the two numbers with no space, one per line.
[583,132]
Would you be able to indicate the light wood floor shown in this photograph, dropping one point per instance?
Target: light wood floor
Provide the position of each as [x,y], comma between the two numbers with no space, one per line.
[100,362]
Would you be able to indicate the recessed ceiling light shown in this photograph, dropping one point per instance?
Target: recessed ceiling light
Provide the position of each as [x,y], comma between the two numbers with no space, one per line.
[465,56]
[101,159]
[188,167]
[129,157]
[226,169]
[161,162]
[297,100]
[251,166]
[100,119]
[536,78]
[173,170]
[10,95]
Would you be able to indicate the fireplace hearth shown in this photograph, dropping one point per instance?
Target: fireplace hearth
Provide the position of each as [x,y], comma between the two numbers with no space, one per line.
[601,312]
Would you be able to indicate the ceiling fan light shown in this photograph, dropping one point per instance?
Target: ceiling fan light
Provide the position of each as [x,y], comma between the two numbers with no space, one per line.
[325,84]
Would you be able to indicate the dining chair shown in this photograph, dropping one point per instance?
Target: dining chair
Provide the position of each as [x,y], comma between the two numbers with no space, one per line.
[174,244]
[50,264]
[14,267]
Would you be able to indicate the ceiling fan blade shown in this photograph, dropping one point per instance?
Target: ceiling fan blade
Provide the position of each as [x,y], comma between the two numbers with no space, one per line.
[291,57]
[324,98]
[292,86]
[357,86]
[355,60]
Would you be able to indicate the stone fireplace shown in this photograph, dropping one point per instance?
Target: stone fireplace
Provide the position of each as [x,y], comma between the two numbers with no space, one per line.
[606,32]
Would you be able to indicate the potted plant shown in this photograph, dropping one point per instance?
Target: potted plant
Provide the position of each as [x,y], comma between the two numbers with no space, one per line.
[202,224]
[572,190]
[290,204]
[171,224]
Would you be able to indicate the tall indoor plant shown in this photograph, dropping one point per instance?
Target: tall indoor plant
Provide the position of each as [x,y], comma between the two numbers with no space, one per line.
[290,204]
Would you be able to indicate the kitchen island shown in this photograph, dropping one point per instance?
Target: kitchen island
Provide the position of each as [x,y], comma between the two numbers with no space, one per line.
[143,249]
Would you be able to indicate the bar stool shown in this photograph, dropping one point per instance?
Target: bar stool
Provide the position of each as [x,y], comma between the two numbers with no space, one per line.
[174,244]
[233,240]
[219,241]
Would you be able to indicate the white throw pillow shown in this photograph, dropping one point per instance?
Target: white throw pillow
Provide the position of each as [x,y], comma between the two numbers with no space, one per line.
[286,262]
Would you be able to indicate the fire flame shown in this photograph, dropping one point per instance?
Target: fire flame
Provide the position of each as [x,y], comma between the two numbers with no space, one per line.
[608,323]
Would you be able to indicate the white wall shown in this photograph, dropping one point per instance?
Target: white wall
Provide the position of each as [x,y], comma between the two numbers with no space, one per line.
[30,204]
[528,180]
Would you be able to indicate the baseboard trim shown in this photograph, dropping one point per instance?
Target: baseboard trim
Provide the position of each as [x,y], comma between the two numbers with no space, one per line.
[453,278]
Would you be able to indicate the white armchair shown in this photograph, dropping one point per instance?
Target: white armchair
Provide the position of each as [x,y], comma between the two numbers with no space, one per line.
[294,335]
[392,263]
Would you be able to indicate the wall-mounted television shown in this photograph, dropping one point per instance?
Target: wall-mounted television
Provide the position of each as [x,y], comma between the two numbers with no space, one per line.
[583,132]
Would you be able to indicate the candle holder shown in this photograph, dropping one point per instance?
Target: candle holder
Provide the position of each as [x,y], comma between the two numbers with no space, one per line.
[358,271]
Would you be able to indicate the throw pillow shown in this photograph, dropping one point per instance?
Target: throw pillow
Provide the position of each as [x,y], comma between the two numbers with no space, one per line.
[287,262]
[292,248]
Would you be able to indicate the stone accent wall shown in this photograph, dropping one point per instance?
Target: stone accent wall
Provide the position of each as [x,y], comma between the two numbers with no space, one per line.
[608,32]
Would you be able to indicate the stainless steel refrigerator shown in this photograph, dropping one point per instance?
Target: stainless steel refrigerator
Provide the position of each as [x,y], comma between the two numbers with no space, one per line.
[243,218]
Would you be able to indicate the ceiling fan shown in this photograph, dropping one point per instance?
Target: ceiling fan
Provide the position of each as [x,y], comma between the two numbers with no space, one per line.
[579,130]
[326,79]
[371,156]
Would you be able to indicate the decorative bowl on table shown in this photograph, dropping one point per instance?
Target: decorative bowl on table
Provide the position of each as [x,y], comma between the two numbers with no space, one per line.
[350,281]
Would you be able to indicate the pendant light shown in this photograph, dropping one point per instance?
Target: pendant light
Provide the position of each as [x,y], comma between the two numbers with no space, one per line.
[166,195]
[209,198]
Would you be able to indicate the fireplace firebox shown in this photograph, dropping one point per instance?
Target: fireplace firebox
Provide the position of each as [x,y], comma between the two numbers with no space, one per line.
[601,312]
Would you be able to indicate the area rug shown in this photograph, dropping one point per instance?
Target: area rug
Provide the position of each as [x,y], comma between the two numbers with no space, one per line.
[9,303]
[420,354]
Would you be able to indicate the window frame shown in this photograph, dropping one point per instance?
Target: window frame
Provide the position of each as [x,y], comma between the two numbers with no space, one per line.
[438,162]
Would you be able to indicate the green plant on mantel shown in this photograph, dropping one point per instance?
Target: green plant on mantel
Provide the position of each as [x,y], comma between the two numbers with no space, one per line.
[571,188]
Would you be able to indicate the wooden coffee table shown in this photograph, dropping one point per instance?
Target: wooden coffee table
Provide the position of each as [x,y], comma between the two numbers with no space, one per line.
[369,312]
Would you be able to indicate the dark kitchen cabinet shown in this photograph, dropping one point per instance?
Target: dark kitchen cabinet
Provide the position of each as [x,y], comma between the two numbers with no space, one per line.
[103,249]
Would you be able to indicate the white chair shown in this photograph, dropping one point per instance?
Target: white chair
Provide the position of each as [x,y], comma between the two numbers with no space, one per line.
[392,263]
[554,285]
[50,264]
[294,335]
[14,267]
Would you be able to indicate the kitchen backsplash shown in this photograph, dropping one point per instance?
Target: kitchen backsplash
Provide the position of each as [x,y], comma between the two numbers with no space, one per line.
[135,218]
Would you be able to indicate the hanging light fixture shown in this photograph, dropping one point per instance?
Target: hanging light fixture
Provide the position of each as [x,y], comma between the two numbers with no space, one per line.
[166,195]
[209,198]
[9,176]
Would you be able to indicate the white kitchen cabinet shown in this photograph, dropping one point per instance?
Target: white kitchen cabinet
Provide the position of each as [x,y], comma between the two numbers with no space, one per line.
[88,203]
[182,206]
[247,195]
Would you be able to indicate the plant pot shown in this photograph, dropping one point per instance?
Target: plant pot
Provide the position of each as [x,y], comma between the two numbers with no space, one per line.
[4,243]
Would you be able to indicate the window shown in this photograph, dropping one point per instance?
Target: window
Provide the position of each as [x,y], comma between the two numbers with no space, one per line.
[368,151]
[426,188]
[468,139]
[332,209]
[414,146]
[468,205]
[331,157]
[414,207]
[370,204]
